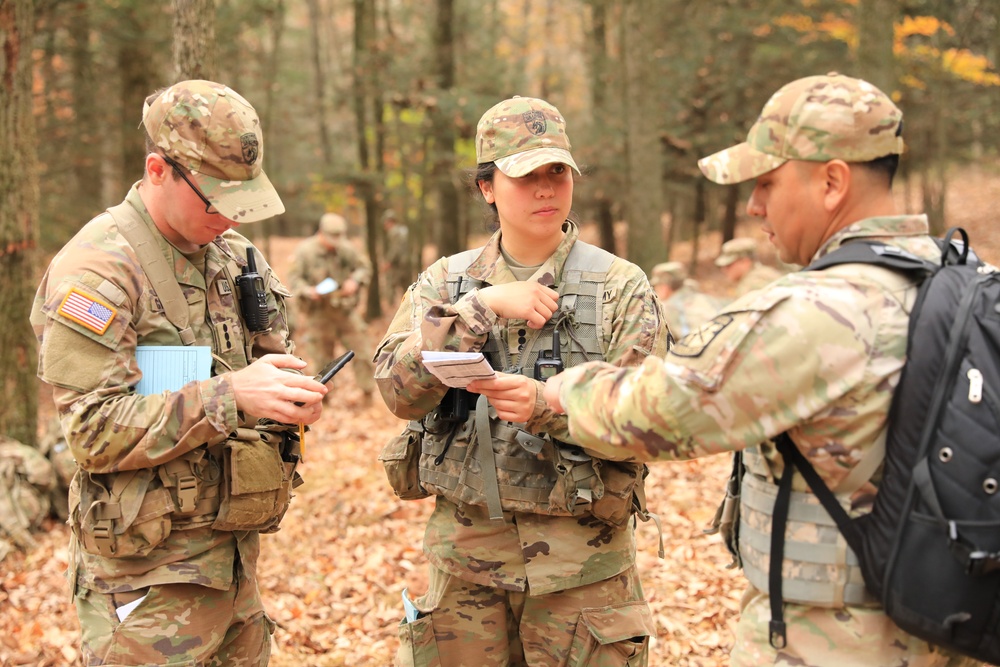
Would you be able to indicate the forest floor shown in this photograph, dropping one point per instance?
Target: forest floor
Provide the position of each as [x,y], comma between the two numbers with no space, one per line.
[332,576]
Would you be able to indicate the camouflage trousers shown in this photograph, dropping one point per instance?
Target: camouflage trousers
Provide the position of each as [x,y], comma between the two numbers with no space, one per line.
[819,637]
[325,328]
[176,624]
[461,624]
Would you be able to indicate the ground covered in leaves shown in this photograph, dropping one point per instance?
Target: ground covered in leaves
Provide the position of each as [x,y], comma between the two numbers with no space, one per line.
[332,576]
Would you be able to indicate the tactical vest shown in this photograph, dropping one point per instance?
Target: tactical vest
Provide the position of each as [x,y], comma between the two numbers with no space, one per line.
[481,460]
[230,483]
[819,568]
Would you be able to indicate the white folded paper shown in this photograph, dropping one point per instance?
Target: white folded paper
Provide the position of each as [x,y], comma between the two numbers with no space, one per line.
[458,369]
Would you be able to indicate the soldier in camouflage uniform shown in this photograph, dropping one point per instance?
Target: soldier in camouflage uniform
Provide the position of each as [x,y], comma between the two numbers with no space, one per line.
[738,261]
[683,306]
[326,277]
[173,487]
[531,540]
[815,354]
[396,266]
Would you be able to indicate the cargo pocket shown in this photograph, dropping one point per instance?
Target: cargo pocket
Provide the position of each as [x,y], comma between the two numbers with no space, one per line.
[612,636]
[417,644]
[401,459]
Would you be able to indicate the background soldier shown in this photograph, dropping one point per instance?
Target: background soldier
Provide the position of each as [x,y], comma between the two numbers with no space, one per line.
[327,275]
[815,355]
[738,261]
[683,306]
[165,534]
[396,267]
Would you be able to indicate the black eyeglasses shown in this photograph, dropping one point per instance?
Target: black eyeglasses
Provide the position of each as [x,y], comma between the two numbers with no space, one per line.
[176,167]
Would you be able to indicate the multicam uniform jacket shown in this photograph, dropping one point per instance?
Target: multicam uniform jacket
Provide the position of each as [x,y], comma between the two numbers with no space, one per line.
[527,551]
[758,276]
[89,358]
[816,354]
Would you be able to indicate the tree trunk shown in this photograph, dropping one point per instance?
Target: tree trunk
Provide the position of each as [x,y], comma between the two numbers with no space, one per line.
[194,39]
[450,239]
[645,171]
[876,62]
[319,74]
[87,113]
[597,42]
[732,207]
[18,223]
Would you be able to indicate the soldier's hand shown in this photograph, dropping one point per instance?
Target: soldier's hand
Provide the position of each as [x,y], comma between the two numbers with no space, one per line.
[263,389]
[523,300]
[349,287]
[551,393]
[513,396]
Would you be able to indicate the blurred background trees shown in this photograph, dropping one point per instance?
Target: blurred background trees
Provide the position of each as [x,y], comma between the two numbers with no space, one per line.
[372,104]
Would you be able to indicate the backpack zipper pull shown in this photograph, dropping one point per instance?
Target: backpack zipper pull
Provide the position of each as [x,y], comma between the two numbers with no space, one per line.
[975,385]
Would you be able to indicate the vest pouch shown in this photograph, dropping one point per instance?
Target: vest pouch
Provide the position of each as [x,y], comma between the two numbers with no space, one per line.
[577,484]
[619,499]
[120,515]
[253,473]
[401,459]
[290,479]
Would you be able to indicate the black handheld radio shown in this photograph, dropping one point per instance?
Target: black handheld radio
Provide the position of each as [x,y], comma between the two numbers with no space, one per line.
[549,362]
[253,298]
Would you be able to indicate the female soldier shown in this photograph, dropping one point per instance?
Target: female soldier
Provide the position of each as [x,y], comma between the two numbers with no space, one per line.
[531,540]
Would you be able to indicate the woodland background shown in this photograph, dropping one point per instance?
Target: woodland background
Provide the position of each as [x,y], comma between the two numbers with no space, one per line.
[372,104]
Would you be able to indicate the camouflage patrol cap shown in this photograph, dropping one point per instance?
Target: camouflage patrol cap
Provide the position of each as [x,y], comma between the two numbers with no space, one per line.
[668,273]
[522,134]
[735,249]
[818,118]
[211,131]
[331,224]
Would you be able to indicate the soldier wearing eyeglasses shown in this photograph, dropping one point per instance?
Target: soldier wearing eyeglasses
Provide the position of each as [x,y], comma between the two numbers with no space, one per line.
[178,404]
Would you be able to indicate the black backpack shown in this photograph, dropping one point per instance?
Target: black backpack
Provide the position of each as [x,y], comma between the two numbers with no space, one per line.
[930,549]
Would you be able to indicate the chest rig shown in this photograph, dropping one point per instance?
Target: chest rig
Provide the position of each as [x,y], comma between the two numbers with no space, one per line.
[470,456]
[129,513]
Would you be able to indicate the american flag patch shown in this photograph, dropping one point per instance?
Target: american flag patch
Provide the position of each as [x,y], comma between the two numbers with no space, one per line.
[88,311]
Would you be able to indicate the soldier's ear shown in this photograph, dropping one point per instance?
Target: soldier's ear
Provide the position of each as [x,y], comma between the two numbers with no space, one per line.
[156,168]
[836,176]
[486,187]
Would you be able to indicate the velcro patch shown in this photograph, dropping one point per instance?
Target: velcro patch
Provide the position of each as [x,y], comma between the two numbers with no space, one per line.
[695,342]
[87,311]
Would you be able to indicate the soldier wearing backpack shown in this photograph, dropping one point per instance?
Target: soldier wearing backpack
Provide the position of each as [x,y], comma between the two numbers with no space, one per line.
[815,354]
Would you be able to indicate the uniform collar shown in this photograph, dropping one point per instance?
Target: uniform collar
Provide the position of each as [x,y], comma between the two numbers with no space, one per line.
[882,228]
[489,266]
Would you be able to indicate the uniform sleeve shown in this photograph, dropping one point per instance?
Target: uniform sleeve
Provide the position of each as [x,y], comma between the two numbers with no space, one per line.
[427,320]
[634,328]
[769,362]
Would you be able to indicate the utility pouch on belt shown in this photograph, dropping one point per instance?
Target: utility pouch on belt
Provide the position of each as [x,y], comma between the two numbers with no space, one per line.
[257,481]
[121,518]
[726,521]
[401,459]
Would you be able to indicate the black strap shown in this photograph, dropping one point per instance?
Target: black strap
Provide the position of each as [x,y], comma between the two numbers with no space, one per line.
[823,493]
[779,521]
[880,254]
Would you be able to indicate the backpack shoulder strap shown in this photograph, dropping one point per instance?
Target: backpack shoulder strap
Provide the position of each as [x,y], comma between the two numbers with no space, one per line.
[155,266]
[879,254]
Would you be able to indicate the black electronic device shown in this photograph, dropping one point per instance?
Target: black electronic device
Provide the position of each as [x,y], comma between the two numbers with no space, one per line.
[549,362]
[333,367]
[253,297]
[330,370]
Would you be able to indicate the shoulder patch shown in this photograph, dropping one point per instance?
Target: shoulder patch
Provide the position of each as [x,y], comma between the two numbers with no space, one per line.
[695,342]
[88,311]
